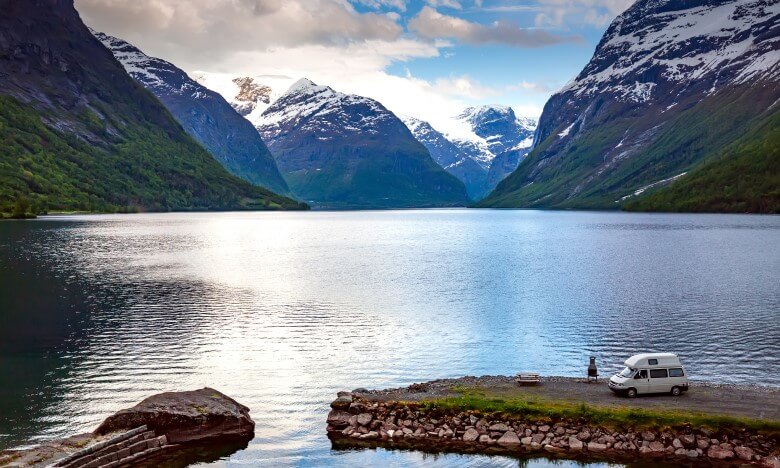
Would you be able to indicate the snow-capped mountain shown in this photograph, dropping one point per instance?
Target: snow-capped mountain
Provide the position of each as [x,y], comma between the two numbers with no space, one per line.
[450,156]
[250,96]
[480,146]
[342,150]
[204,114]
[643,110]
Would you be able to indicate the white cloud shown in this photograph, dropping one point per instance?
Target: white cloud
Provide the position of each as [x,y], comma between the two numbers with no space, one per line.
[593,12]
[191,31]
[455,4]
[464,87]
[432,24]
[377,4]
[328,41]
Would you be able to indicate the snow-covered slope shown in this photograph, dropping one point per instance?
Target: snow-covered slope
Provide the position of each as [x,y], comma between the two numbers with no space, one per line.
[249,95]
[670,85]
[343,150]
[450,156]
[204,114]
[480,146]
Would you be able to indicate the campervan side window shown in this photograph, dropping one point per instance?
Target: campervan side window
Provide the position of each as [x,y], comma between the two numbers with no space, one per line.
[652,362]
[676,373]
[658,373]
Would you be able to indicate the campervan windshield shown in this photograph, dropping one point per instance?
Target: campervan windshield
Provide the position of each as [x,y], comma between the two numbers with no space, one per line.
[627,372]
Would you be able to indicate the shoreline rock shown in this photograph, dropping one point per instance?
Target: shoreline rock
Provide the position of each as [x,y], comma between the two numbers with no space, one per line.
[192,426]
[204,415]
[407,425]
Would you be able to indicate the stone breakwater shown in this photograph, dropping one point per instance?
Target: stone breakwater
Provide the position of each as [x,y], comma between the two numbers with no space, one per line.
[359,421]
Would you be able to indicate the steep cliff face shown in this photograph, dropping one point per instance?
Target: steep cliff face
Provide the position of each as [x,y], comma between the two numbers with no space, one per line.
[79,133]
[340,150]
[671,85]
[204,114]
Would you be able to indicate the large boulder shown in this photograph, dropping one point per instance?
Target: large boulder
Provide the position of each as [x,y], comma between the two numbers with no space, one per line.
[197,416]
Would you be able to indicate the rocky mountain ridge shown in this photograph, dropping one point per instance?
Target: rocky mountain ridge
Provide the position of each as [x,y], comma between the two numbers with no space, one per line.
[342,150]
[204,114]
[671,87]
[486,144]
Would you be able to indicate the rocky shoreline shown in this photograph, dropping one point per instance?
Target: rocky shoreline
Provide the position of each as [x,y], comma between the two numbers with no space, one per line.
[369,419]
[186,427]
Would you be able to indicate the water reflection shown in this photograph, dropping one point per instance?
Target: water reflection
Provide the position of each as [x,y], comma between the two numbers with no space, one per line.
[281,310]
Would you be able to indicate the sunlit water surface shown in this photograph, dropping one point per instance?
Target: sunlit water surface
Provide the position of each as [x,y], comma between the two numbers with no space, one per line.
[282,310]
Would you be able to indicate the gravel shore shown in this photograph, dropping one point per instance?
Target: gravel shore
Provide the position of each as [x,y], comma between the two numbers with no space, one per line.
[749,401]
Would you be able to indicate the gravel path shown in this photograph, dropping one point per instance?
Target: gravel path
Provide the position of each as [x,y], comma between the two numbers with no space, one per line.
[733,400]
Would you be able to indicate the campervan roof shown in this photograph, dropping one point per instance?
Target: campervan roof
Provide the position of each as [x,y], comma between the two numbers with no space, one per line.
[664,359]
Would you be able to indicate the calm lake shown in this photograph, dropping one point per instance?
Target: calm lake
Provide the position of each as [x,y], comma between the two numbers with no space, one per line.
[282,310]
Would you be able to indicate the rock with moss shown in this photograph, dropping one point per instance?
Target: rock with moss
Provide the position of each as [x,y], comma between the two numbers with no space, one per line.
[197,416]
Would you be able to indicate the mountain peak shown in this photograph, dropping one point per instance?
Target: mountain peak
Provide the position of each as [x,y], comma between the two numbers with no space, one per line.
[305,85]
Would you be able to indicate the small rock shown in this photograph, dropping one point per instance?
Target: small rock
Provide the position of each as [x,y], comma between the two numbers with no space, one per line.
[364,418]
[370,435]
[770,462]
[657,446]
[677,444]
[574,443]
[341,402]
[596,447]
[544,428]
[703,444]
[719,453]
[560,430]
[584,436]
[500,427]
[470,435]
[744,453]
[538,438]
[688,440]
[509,438]
[338,419]
[484,439]
[526,441]
[680,452]
[648,436]
[692,453]
[553,449]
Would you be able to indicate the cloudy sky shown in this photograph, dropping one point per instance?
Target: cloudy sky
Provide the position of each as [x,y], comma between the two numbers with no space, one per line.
[425,58]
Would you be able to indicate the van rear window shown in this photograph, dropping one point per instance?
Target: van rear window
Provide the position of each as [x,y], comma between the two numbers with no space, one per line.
[658,373]
[676,373]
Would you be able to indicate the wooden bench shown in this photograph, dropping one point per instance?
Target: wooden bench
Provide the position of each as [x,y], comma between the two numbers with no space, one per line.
[528,378]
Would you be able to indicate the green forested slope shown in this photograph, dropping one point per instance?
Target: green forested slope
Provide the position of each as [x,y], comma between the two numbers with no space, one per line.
[78,133]
[745,177]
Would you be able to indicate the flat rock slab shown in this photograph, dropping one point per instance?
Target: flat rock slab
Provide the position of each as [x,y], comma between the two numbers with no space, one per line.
[204,415]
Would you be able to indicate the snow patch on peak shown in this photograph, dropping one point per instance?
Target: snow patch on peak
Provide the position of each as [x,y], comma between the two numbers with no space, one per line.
[249,95]
[302,84]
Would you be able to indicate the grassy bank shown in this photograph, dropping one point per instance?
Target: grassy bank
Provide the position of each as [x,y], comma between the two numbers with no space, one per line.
[619,418]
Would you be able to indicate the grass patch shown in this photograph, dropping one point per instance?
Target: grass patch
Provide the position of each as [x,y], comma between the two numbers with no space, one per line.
[545,410]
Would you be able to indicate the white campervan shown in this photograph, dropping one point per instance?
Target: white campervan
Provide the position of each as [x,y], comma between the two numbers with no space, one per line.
[650,373]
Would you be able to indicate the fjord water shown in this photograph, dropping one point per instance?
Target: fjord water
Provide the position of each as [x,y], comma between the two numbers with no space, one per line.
[282,310]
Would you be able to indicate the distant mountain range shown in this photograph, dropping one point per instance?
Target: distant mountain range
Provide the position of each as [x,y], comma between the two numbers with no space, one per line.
[487,145]
[346,151]
[483,145]
[79,133]
[676,111]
